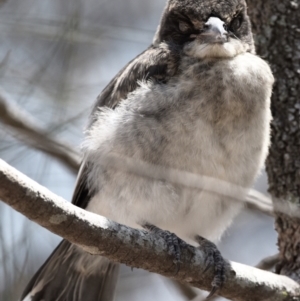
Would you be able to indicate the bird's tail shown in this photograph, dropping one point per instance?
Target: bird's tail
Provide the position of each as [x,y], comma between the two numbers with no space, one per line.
[70,274]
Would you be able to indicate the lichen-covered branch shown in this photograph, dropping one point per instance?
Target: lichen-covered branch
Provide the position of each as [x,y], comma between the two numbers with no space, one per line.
[136,248]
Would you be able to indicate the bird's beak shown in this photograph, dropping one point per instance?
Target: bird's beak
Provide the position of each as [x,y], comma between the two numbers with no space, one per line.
[214,32]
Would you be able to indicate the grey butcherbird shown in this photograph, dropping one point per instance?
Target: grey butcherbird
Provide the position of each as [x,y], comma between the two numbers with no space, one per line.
[197,100]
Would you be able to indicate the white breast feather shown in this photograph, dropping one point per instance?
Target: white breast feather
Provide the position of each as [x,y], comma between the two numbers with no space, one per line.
[184,139]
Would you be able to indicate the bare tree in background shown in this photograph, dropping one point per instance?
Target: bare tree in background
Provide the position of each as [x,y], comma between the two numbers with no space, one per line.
[277,28]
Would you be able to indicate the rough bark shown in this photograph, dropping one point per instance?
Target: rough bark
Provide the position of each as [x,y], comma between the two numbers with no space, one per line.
[136,248]
[276,25]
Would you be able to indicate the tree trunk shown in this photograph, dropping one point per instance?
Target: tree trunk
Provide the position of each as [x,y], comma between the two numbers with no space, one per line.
[276,25]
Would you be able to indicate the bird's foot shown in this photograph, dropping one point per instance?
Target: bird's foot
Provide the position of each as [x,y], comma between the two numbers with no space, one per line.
[214,259]
[174,243]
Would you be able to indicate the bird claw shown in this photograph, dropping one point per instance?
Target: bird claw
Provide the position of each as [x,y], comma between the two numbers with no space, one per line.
[213,259]
[174,243]
[213,255]
[212,292]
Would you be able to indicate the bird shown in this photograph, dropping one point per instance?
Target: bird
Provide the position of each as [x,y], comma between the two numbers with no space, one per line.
[196,100]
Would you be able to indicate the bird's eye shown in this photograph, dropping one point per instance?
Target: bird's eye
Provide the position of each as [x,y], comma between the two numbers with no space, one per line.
[236,22]
[183,26]
[225,27]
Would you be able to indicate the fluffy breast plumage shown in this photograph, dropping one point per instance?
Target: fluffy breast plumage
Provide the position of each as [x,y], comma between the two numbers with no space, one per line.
[212,119]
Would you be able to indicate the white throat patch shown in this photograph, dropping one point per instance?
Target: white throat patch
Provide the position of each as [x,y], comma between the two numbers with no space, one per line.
[227,50]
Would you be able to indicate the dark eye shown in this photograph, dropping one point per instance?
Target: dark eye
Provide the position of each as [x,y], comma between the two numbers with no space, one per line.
[236,22]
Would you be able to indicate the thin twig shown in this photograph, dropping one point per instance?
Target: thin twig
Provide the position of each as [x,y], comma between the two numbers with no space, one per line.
[267,264]
[32,134]
[186,290]
[251,197]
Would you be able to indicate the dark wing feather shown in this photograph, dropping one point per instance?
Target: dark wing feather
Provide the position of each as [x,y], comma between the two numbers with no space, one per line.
[157,64]
[60,278]
[81,194]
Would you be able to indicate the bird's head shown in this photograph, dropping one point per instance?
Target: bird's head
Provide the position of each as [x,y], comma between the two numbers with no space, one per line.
[207,28]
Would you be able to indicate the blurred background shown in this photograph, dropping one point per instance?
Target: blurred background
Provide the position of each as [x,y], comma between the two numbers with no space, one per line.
[55,58]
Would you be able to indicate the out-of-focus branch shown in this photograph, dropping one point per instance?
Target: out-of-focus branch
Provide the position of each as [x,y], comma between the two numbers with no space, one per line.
[137,248]
[267,264]
[214,298]
[251,197]
[87,34]
[259,202]
[34,135]
[187,291]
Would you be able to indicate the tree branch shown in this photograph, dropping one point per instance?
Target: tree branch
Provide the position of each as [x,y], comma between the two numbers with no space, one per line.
[35,136]
[136,248]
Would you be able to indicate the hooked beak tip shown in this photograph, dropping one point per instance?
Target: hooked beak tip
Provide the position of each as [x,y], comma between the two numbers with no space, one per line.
[216,24]
[216,31]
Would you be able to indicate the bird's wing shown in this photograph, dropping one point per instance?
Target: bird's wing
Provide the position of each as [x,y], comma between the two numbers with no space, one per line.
[157,64]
